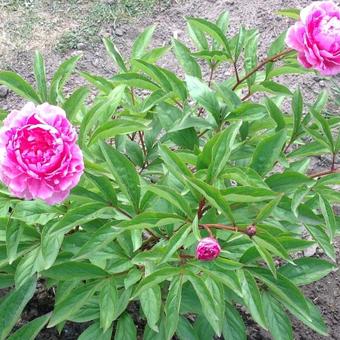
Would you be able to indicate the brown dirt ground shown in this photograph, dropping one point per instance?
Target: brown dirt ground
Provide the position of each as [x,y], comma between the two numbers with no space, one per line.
[42,25]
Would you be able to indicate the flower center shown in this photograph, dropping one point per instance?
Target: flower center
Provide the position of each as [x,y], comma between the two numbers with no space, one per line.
[39,147]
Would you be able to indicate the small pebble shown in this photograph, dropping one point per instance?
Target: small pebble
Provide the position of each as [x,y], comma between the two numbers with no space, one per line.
[119,32]
[3,91]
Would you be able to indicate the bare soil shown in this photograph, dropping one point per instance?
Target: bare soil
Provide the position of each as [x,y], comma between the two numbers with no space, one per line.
[59,29]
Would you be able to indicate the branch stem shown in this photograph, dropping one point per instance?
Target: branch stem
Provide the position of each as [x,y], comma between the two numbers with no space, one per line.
[273,58]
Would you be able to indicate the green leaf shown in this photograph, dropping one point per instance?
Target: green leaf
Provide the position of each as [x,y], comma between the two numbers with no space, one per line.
[101,111]
[173,162]
[273,87]
[221,151]
[79,215]
[198,37]
[283,70]
[266,256]
[250,55]
[18,85]
[105,187]
[213,196]
[283,288]
[6,280]
[60,77]
[124,173]
[150,301]
[74,103]
[30,330]
[126,329]
[108,298]
[189,64]
[320,236]
[74,271]
[292,13]
[134,80]
[277,46]
[278,322]
[172,196]
[142,42]
[288,181]
[248,112]
[155,54]
[14,231]
[40,75]
[267,209]
[252,297]
[71,305]
[298,197]
[26,268]
[176,241]
[114,128]
[213,30]
[12,305]
[185,330]
[35,212]
[149,219]
[273,244]
[239,43]
[172,307]
[328,214]
[314,319]
[233,325]
[321,101]
[158,276]
[100,83]
[324,125]
[297,107]
[248,194]
[114,54]
[204,96]
[95,332]
[207,301]
[306,270]
[267,152]
[276,114]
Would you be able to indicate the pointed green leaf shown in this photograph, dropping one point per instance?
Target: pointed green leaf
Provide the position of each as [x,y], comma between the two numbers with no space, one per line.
[267,152]
[12,305]
[40,76]
[278,322]
[17,84]
[124,173]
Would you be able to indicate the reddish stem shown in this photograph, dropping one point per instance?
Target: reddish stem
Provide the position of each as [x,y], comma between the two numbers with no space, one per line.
[260,65]
[220,226]
[324,173]
[212,69]
[200,208]
[141,137]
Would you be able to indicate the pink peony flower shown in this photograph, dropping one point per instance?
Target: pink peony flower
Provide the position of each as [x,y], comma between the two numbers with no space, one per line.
[39,157]
[316,37]
[207,249]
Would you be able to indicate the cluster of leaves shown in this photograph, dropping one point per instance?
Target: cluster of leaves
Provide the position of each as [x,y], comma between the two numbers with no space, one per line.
[165,159]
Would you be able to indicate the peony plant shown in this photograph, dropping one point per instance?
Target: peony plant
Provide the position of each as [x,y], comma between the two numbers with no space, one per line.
[173,206]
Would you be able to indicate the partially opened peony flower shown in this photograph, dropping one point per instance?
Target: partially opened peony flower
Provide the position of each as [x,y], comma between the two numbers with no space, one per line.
[316,37]
[207,249]
[39,157]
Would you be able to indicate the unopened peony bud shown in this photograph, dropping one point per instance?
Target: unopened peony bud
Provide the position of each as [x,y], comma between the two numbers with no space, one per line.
[251,230]
[208,249]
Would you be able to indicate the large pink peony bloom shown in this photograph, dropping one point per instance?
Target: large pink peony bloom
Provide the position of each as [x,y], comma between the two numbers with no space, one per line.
[316,37]
[39,157]
[207,249]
